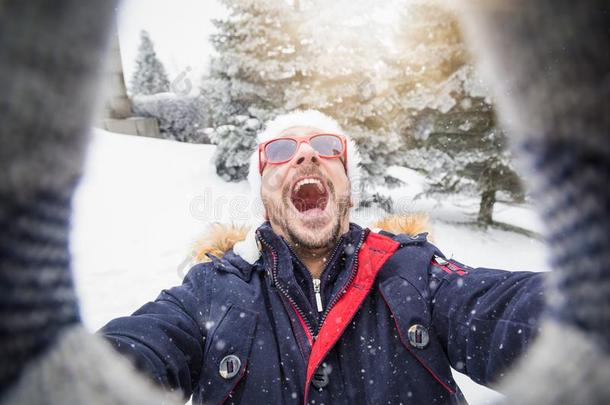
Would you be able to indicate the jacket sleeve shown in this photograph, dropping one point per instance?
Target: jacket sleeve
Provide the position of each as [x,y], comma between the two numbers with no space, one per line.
[485,318]
[165,338]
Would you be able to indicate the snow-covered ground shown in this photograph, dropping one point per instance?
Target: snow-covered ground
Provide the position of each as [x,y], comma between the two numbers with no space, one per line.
[143,202]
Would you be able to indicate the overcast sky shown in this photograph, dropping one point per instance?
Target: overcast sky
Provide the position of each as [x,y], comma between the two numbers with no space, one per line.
[179,29]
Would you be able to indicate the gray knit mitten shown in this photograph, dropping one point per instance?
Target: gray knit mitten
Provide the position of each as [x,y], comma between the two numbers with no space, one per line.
[50,56]
[47,74]
[549,62]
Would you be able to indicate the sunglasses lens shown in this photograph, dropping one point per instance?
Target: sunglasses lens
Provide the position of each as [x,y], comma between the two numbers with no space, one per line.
[327,145]
[280,150]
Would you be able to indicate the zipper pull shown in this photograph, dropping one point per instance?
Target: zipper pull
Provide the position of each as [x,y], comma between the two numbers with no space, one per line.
[316,290]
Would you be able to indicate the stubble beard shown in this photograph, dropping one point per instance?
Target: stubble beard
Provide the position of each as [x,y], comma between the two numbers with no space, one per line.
[281,214]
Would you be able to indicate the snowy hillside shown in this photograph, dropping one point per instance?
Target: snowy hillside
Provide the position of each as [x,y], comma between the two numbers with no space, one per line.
[144,201]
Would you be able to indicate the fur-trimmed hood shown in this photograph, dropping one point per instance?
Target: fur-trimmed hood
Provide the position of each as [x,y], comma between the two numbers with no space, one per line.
[220,238]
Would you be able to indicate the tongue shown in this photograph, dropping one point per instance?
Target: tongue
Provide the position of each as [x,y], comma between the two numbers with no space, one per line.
[309,197]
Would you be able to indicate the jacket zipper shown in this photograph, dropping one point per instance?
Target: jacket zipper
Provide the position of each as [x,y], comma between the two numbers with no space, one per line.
[312,332]
[343,290]
[316,290]
[316,281]
[281,288]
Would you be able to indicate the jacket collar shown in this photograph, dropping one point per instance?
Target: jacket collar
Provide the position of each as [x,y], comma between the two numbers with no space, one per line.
[220,238]
[234,247]
[273,244]
[277,260]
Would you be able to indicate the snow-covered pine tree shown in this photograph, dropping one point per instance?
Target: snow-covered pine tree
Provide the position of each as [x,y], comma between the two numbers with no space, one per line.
[149,76]
[342,46]
[428,50]
[450,125]
[256,57]
[463,149]
[235,142]
[180,117]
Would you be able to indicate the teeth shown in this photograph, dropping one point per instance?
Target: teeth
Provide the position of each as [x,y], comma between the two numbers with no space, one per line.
[301,183]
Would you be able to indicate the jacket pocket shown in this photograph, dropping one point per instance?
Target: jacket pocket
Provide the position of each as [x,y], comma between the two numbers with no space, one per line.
[227,355]
[411,313]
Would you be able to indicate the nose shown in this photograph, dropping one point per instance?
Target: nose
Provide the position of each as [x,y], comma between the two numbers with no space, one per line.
[305,154]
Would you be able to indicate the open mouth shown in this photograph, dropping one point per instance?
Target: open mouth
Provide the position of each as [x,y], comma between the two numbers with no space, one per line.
[308,194]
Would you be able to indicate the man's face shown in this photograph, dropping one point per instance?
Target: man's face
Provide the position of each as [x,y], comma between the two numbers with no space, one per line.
[307,199]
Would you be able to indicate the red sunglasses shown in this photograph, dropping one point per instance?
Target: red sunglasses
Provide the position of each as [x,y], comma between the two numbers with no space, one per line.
[281,150]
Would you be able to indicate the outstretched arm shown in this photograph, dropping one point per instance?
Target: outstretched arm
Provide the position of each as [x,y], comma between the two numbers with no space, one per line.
[165,338]
[485,318]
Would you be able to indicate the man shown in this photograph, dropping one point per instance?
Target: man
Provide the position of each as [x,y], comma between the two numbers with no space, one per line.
[312,308]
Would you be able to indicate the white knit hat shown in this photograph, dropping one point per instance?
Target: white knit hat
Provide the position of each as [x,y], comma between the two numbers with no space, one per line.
[247,248]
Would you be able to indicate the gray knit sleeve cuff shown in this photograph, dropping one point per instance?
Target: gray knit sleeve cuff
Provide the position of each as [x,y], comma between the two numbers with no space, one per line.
[37,297]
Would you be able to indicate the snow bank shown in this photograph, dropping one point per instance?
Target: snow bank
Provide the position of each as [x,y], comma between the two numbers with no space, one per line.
[138,209]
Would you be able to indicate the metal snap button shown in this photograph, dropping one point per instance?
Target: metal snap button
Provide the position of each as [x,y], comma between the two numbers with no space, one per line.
[320,378]
[418,336]
[229,366]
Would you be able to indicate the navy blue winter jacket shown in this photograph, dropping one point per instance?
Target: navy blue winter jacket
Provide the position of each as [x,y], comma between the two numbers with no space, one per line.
[396,315]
